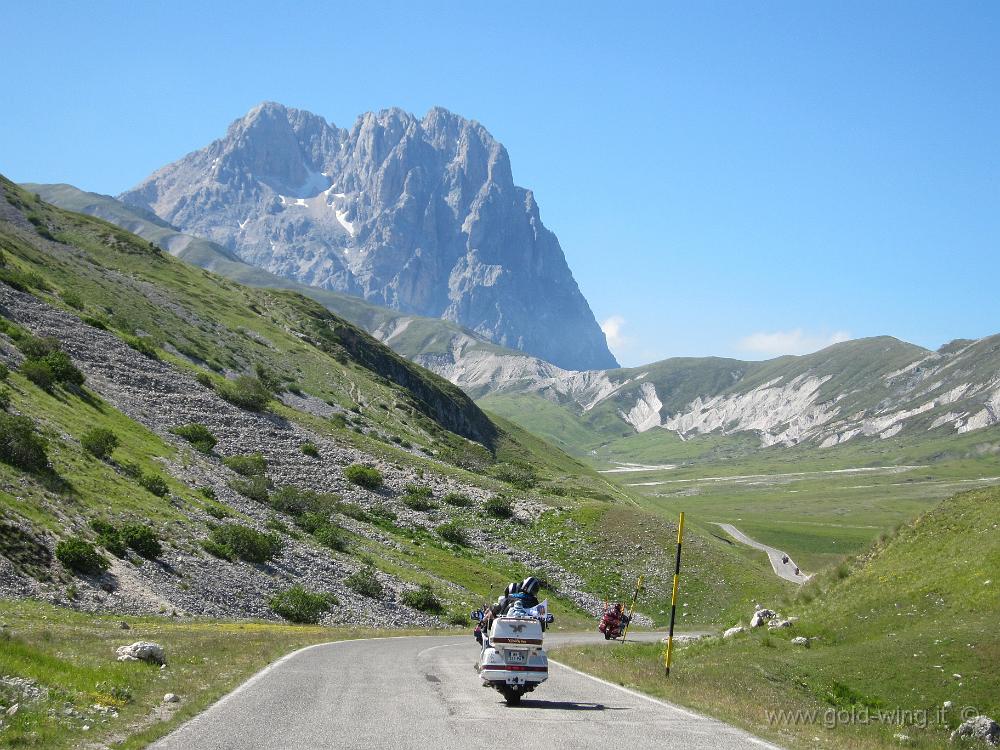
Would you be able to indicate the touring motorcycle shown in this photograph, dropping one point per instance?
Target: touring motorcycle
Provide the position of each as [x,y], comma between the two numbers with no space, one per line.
[512,660]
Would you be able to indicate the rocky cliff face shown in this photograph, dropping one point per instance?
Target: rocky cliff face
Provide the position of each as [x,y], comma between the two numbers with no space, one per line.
[422,216]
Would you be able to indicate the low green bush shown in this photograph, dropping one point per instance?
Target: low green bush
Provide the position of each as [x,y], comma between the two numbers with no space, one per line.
[109,538]
[217,511]
[311,522]
[418,502]
[301,606]
[23,281]
[38,373]
[254,488]
[205,379]
[499,507]
[99,442]
[453,532]
[80,556]
[4,371]
[310,449]
[4,399]
[351,510]
[381,514]
[457,499]
[332,536]
[72,299]
[246,392]
[216,549]
[418,490]
[142,539]
[423,599]
[249,465]
[20,444]
[197,434]
[246,543]
[296,501]
[470,456]
[155,484]
[46,364]
[364,476]
[520,475]
[112,541]
[365,582]
[276,524]
[142,345]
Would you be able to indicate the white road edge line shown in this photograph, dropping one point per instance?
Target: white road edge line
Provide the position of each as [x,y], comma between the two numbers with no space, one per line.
[665,704]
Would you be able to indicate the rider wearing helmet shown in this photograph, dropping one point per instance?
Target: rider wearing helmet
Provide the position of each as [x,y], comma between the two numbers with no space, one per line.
[524,592]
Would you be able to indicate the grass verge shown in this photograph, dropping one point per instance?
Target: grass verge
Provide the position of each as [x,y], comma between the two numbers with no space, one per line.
[71,655]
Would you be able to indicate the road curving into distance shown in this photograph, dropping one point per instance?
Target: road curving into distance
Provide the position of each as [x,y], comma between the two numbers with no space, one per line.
[422,692]
[787,570]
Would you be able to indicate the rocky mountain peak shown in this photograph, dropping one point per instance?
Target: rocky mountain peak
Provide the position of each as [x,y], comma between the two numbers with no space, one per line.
[421,215]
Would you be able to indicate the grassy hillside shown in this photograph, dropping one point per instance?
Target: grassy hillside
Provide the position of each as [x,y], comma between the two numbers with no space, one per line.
[895,633]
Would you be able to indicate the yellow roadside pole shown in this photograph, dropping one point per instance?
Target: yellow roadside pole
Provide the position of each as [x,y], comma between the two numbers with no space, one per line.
[673,597]
[631,609]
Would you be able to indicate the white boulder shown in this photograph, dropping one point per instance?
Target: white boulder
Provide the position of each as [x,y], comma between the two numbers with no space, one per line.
[981,728]
[142,651]
[761,616]
[734,631]
[800,641]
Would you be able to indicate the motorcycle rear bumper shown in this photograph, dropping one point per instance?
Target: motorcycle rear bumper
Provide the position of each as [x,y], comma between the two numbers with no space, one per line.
[503,677]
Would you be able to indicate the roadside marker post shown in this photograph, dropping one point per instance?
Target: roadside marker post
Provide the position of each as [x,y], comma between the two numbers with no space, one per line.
[631,609]
[673,597]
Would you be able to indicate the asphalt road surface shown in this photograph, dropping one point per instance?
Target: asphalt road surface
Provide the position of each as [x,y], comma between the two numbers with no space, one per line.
[786,570]
[398,693]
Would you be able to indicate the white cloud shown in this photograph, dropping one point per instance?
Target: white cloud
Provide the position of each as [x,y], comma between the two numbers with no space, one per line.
[612,328]
[795,341]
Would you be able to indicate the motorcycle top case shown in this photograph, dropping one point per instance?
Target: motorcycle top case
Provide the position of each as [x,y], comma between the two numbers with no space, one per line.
[516,631]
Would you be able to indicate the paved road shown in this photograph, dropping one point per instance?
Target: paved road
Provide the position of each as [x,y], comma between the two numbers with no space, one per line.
[785,570]
[398,693]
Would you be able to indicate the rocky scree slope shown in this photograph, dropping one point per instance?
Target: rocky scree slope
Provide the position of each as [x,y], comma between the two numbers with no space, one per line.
[419,215]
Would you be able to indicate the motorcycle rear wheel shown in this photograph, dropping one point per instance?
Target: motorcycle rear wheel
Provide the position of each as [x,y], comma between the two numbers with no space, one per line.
[511,695]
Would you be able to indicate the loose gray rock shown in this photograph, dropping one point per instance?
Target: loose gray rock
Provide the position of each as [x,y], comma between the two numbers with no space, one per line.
[761,616]
[778,624]
[142,651]
[170,698]
[981,728]
[800,641]
[734,631]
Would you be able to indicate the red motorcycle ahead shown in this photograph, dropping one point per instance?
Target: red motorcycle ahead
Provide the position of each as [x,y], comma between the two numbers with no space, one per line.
[614,622]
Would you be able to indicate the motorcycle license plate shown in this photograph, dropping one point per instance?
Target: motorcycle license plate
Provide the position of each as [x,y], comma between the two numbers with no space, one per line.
[516,657]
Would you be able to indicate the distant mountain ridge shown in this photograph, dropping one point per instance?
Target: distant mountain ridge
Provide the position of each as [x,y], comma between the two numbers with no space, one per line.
[421,216]
[875,388]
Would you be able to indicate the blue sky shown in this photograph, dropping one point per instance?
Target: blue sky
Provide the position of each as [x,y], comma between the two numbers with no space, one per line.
[739,179]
